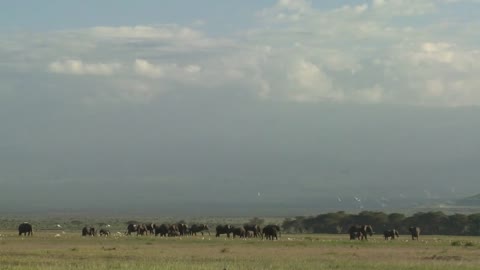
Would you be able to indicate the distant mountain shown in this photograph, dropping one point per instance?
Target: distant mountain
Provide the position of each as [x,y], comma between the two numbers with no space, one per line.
[469,201]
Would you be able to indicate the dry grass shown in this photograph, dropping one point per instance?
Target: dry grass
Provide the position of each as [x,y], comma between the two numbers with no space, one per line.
[45,250]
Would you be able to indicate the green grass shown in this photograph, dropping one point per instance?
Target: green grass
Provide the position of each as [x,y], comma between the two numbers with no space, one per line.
[51,250]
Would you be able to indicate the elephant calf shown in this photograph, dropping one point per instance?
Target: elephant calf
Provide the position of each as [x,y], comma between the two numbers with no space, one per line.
[391,234]
[104,232]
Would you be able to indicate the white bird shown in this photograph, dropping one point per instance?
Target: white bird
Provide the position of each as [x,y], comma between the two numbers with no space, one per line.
[258,194]
[59,226]
[339,199]
[357,199]
[108,225]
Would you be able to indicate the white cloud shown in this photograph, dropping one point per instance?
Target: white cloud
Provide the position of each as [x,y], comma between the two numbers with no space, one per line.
[294,5]
[193,69]
[144,68]
[404,7]
[163,32]
[297,52]
[375,94]
[287,10]
[78,67]
[308,83]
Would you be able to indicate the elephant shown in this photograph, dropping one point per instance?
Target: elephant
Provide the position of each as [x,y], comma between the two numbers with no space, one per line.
[254,229]
[271,232]
[25,229]
[173,230]
[223,229]
[182,229]
[391,234]
[355,235]
[415,232]
[131,228]
[239,231]
[161,229]
[360,232]
[85,231]
[88,231]
[141,229]
[199,228]
[150,228]
[104,232]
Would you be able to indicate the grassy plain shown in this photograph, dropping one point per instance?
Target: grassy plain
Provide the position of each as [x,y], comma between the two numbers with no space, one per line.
[68,250]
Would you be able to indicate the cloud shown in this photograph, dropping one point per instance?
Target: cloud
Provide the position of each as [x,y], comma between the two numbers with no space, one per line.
[376,94]
[298,52]
[144,68]
[309,84]
[403,7]
[193,69]
[287,10]
[78,67]
[164,32]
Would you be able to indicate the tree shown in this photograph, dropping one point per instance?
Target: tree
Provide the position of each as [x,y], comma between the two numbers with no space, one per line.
[456,224]
[473,226]
[395,219]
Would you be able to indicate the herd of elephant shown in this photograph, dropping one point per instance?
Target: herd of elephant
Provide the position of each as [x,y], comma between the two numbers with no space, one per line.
[361,232]
[269,232]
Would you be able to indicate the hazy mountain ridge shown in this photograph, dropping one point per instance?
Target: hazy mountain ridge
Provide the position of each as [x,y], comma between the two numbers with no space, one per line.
[469,201]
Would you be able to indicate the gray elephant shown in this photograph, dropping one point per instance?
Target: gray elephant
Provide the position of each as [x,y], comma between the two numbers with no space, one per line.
[131,228]
[254,229]
[360,232]
[391,234]
[239,231]
[25,229]
[182,229]
[354,235]
[223,229]
[104,232]
[415,232]
[150,228]
[199,228]
[271,232]
[161,230]
[142,229]
[90,231]
[173,230]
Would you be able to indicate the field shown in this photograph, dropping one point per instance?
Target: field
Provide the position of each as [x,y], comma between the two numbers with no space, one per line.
[68,250]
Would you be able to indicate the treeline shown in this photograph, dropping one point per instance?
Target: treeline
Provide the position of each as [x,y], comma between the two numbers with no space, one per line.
[430,223]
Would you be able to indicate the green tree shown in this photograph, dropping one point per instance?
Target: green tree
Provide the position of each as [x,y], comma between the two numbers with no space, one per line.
[473,226]
[456,224]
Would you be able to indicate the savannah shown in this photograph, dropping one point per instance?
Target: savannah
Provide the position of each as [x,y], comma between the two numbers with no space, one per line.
[314,116]
[59,249]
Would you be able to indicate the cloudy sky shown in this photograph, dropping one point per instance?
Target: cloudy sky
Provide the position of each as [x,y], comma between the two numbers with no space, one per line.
[124,103]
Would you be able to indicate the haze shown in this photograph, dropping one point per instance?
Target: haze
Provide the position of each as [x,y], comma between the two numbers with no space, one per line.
[241,108]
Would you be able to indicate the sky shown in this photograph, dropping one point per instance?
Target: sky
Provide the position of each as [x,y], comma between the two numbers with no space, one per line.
[133,104]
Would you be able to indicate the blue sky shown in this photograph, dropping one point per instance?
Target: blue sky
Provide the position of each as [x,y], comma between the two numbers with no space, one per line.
[320,96]
[221,15]
[60,15]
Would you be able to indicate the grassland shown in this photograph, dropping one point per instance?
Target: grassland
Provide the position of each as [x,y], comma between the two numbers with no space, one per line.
[68,250]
